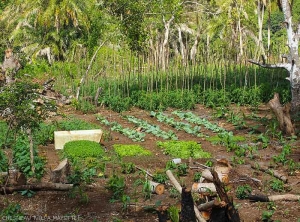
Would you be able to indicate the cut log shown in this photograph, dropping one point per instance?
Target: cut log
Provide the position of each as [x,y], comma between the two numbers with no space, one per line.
[204,188]
[211,204]
[231,212]
[157,187]
[264,198]
[179,189]
[222,173]
[269,171]
[282,114]
[36,187]
[187,206]
[61,172]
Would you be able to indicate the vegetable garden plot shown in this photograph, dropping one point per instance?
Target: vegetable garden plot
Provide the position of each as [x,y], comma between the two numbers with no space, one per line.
[130,133]
[161,117]
[153,129]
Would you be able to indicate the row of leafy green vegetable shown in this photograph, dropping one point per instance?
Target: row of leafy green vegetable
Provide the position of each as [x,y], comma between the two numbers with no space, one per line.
[130,133]
[161,117]
[153,129]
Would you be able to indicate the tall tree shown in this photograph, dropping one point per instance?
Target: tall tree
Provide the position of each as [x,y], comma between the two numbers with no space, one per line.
[292,64]
[47,24]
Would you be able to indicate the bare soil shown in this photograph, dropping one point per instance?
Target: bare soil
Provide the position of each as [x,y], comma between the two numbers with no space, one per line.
[45,205]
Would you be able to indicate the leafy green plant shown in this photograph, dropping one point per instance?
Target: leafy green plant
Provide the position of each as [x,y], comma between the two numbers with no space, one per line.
[82,149]
[130,133]
[243,191]
[155,130]
[264,139]
[183,149]
[182,169]
[130,150]
[277,185]
[27,193]
[146,190]
[173,192]
[282,157]
[21,157]
[173,212]
[170,165]
[267,215]
[44,134]
[197,176]
[3,161]
[117,185]
[209,163]
[160,178]
[127,168]
[12,213]
[78,191]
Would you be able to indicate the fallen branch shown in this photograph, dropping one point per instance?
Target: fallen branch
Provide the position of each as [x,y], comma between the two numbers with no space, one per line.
[145,171]
[269,171]
[179,189]
[36,187]
[271,66]
[264,198]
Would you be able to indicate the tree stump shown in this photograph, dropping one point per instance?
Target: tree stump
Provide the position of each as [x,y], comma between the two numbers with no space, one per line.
[187,206]
[61,172]
[282,114]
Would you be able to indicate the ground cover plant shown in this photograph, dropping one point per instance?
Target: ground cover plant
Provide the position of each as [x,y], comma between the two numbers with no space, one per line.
[183,149]
[82,149]
[130,150]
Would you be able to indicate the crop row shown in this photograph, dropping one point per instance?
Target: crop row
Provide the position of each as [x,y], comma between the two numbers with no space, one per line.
[192,118]
[161,117]
[130,133]
[153,129]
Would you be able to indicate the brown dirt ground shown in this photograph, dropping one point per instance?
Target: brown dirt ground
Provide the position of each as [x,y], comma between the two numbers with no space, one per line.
[99,208]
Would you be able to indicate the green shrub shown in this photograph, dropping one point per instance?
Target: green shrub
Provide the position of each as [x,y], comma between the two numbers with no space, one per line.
[130,150]
[3,161]
[183,149]
[44,134]
[21,157]
[80,149]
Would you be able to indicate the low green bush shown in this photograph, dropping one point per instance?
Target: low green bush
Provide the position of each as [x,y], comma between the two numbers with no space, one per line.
[3,161]
[21,157]
[183,149]
[130,150]
[81,149]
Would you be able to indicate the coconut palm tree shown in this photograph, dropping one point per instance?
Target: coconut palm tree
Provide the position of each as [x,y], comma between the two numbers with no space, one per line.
[36,25]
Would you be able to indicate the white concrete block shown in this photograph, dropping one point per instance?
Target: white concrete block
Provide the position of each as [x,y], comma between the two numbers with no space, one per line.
[62,137]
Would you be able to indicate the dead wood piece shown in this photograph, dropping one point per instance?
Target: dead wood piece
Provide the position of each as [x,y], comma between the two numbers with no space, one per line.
[211,204]
[269,171]
[162,213]
[61,172]
[264,198]
[204,188]
[157,188]
[282,114]
[179,189]
[145,171]
[98,92]
[16,178]
[222,173]
[231,212]
[187,206]
[36,187]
